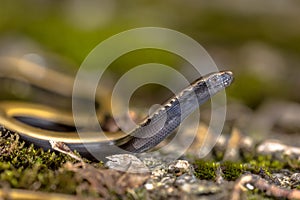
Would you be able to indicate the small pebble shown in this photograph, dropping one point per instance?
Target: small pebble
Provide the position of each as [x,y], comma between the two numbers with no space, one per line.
[179,167]
[126,163]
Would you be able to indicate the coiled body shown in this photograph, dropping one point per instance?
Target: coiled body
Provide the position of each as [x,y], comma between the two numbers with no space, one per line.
[39,124]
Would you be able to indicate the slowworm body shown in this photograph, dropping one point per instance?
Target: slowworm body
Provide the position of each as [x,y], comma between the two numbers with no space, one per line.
[39,124]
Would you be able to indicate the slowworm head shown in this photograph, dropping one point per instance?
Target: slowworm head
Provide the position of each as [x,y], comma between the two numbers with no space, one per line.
[218,81]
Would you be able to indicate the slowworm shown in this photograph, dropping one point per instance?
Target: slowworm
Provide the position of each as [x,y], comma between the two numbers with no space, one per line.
[37,123]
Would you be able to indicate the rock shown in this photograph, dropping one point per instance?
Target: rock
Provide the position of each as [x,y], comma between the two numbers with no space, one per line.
[126,163]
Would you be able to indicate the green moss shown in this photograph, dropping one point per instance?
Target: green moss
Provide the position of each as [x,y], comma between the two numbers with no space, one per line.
[32,168]
[205,169]
[267,162]
[263,165]
[231,170]
[28,167]
[15,154]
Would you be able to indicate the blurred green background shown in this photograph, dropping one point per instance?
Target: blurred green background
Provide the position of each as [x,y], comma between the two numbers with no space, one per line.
[258,40]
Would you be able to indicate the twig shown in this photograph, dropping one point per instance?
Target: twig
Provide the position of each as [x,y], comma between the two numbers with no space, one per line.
[253,181]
